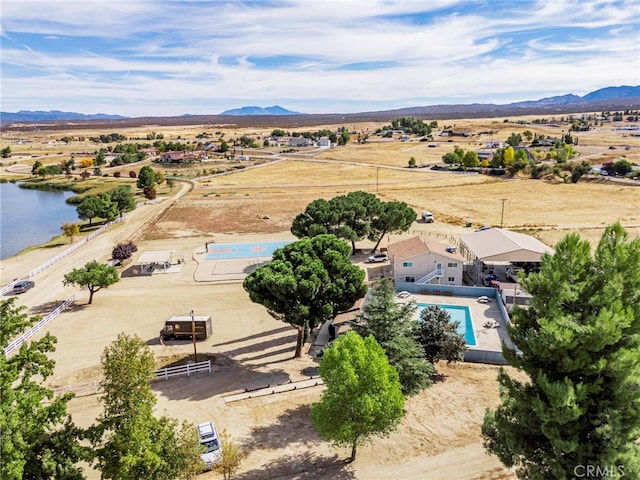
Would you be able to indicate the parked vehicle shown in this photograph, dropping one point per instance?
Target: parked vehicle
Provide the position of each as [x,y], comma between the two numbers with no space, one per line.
[23,285]
[428,217]
[378,258]
[182,328]
[211,443]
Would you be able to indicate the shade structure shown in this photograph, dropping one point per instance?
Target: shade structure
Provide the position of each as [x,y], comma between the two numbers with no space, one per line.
[161,257]
[499,245]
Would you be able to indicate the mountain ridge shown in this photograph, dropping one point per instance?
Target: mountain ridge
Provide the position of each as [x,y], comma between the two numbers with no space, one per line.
[620,97]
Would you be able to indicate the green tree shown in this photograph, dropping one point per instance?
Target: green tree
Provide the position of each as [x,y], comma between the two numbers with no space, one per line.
[622,167]
[37,438]
[319,217]
[6,152]
[412,162]
[128,440]
[93,276]
[528,135]
[36,166]
[70,230]
[307,283]
[470,159]
[91,207]
[393,217]
[346,216]
[123,198]
[439,336]
[171,183]
[514,139]
[146,177]
[363,395]
[231,457]
[356,211]
[110,209]
[100,158]
[579,346]
[393,326]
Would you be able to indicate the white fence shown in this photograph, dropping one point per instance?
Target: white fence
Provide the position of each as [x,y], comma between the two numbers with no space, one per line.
[188,369]
[93,388]
[8,288]
[38,326]
[74,247]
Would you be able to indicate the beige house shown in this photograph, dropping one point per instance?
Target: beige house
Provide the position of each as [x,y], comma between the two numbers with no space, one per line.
[427,262]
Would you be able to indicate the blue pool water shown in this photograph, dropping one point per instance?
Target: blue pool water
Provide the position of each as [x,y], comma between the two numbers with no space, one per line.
[460,314]
[224,251]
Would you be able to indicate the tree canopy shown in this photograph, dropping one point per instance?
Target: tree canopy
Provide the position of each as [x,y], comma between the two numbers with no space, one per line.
[129,441]
[354,216]
[363,395]
[439,336]
[394,327]
[307,283]
[38,439]
[93,276]
[579,345]
[123,198]
[97,206]
[146,177]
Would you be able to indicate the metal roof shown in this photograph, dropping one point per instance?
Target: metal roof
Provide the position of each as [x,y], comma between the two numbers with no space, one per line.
[498,245]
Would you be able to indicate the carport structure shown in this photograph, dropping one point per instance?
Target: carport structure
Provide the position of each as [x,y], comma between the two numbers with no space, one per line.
[152,260]
[496,245]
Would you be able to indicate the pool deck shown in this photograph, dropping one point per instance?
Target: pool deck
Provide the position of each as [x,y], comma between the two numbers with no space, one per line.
[488,325]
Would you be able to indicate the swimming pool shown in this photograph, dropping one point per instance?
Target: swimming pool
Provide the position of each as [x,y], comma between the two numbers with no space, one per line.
[460,314]
[224,251]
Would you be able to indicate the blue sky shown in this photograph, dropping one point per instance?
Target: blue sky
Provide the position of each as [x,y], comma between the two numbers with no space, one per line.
[154,58]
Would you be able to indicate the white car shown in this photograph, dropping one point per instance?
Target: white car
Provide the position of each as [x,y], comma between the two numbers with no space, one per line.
[427,217]
[209,440]
[377,258]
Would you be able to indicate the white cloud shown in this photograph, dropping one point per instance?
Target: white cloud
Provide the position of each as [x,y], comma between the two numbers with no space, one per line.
[120,54]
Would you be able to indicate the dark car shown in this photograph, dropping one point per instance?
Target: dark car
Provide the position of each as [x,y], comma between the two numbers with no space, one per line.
[23,285]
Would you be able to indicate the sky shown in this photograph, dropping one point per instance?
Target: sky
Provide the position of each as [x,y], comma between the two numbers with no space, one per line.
[165,58]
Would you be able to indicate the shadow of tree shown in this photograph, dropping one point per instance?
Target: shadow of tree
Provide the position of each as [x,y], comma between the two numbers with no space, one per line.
[303,466]
[44,308]
[293,426]
[311,371]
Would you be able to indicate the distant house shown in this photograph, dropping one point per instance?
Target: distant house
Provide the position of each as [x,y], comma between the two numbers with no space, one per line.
[324,142]
[494,144]
[185,156]
[426,262]
[300,142]
[151,151]
[484,155]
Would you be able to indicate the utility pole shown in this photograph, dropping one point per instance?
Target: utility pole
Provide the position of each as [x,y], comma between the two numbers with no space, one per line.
[193,336]
[502,214]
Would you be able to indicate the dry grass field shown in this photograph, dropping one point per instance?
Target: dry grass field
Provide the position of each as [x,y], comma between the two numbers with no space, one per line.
[439,437]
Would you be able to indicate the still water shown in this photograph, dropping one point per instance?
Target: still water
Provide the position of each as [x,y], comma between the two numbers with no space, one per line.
[31,217]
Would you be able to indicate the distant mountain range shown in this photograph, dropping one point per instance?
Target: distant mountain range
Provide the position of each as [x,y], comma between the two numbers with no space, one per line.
[52,115]
[622,97]
[252,110]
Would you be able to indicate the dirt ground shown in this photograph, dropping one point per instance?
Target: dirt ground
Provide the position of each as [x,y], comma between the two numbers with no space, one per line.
[439,437]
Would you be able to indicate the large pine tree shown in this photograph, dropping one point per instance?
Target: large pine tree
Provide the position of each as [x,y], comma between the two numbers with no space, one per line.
[394,327]
[579,344]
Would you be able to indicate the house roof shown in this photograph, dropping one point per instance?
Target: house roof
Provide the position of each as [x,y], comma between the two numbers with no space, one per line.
[414,246]
[498,245]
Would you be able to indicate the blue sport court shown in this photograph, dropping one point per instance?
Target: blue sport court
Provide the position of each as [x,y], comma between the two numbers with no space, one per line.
[228,251]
